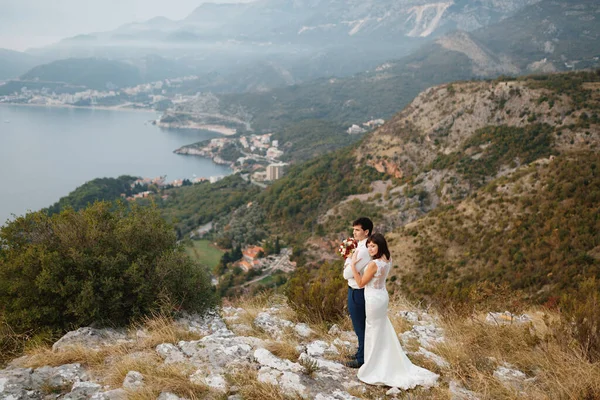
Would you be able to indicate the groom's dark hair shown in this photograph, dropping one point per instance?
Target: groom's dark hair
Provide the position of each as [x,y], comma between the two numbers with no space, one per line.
[365,223]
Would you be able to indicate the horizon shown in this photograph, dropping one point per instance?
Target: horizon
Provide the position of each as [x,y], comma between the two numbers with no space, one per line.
[29,24]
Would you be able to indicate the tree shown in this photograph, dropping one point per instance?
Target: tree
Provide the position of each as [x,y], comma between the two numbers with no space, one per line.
[101,264]
[277,248]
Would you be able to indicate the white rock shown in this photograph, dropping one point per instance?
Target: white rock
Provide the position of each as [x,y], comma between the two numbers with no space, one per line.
[203,325]
[317,348]
[217,382]
[426,335]
[170,353]
[265,358]
[269,375]
[458,392]
[271,324]
[439,361]
[510,377]
[133,381]
[90,338]
[291,383]
[344,344]
[410,316]
[116,394]
[288,381]
[219,350]
[334,330]
[303,330]
[336,395]
[82,390]
[168,396]
[58,376]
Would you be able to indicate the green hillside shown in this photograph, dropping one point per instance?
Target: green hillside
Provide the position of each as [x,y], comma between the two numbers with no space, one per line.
[99,189]
[93,73]
[14,63]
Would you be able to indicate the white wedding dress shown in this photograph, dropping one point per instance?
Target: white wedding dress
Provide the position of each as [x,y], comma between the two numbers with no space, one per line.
[385,361]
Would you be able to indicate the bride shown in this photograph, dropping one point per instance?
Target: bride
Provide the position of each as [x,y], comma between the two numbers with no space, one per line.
[385,361]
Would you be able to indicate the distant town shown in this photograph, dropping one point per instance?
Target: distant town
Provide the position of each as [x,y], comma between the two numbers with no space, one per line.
[257,157]
[150,96]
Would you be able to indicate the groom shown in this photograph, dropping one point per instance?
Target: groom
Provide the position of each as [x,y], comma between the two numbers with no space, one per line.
[361,228]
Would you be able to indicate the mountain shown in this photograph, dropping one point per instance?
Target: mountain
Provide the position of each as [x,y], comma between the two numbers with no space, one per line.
[14,63]
[93,73]
[560,37]
[351,20]
[478,185]
[544,37]
[310,39]
[103,74]
[489,181]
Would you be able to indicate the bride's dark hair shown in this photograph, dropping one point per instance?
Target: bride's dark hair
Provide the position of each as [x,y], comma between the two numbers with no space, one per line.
[382,246]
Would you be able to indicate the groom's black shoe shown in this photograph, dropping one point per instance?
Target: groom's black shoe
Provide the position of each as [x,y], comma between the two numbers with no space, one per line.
[353,364]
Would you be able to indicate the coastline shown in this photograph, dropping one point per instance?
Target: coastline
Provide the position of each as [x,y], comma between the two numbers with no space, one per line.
[222,129]
[104,108]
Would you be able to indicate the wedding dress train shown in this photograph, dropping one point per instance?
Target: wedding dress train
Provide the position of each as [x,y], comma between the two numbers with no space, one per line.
[385,361]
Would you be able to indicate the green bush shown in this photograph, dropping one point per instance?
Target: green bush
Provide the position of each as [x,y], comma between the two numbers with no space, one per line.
[103,264]
[318,295]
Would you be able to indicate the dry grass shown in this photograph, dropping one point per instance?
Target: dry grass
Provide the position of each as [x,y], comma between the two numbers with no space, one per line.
[400,324]
[400,303]
[112,363]
[286,348]
[253,306]
[158,377]
[158,328]
[11,343]
[344,354]
[475,349]
[91,358]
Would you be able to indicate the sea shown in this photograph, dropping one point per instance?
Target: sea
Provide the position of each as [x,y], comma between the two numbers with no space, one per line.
[46,152]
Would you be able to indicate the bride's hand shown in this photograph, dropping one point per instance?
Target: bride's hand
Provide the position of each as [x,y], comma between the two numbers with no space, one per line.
[355,259]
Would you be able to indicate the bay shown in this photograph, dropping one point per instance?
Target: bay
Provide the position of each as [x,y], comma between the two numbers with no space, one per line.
[46,152]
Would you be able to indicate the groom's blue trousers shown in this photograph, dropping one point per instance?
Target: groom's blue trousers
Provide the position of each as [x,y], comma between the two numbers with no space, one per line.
[356,307]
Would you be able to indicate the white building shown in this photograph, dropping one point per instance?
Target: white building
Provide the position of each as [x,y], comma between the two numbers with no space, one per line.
[355,129]
[274,171]
[273,152]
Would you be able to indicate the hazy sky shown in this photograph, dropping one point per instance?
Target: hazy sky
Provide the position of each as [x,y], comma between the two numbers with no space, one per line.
[32,23]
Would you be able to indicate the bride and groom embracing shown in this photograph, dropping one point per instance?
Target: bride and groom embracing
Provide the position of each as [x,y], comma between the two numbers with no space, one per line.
[380,358]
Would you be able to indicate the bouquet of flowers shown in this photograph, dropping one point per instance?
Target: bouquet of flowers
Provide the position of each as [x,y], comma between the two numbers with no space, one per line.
[347,247]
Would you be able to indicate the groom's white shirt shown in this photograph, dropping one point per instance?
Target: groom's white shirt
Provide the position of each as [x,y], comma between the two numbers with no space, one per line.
[365,258]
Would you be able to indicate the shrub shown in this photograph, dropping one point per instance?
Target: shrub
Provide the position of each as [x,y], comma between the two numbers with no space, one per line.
[581,318]
[101,264]
[318,295]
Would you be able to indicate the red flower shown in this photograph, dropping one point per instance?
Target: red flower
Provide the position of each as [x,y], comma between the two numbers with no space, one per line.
[347,247]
